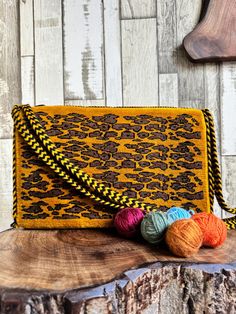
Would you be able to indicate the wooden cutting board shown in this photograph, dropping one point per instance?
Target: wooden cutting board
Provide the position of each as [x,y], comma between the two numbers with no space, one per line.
[58,269]
[214,38]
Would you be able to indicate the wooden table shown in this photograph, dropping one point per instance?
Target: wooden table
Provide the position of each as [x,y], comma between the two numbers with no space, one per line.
[96,271]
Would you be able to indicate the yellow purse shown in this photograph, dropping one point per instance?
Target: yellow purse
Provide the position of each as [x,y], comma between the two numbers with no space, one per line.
[75,167]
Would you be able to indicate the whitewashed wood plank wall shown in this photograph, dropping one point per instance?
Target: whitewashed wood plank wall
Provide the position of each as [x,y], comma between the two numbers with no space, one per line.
[108,53]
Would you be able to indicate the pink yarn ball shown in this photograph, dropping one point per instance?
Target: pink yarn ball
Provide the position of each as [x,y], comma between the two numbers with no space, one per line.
[127,221]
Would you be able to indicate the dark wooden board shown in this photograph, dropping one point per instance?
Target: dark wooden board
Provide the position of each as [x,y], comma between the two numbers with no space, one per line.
[214,38]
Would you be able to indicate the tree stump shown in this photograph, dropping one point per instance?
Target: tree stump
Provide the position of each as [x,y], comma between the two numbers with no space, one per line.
[96,271]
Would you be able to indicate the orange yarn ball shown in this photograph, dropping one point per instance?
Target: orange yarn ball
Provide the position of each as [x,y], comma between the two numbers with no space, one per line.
[184,237]
[214,229]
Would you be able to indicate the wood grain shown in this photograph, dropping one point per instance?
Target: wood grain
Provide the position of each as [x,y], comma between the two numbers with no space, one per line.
[213,39]
[122,61]
[164,288]
[112,53]
[228,108]
[85,102]
[212,89]
[108,49]
[68,259]
[27,80]
[168,91]
[188,13]
[131,9]
[228,130]
[139,61]
[229,179]
[155,288]
[10,64]
[27,52]
[212,102]
[6,129]
[167,36]
[48,52]
[191,77]
[83,49]
[26,28]
[6,184]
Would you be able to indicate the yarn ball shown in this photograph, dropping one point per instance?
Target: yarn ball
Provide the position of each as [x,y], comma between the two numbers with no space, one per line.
[127,221]
[153,226]
[176,213]
[184,237]
[214,229]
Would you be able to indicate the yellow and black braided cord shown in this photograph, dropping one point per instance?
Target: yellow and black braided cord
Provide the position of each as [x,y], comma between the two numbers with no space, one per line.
[49,153]
[215,180]
[30,140]
[87,180]
[14,214]
[211,180]
[42,154]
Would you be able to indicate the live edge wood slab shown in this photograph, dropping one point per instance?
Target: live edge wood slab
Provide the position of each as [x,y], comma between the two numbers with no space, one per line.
[96,271]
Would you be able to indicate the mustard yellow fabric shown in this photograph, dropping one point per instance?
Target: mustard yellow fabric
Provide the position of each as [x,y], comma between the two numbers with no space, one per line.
[157,155]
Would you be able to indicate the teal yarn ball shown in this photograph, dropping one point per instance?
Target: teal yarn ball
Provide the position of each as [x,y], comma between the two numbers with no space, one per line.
[177,213]
[153,226]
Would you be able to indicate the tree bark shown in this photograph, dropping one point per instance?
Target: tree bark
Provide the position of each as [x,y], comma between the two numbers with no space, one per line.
[95,271]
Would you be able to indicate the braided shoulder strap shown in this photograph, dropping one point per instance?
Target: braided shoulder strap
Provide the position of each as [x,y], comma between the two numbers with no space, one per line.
[214,173]
[46,150]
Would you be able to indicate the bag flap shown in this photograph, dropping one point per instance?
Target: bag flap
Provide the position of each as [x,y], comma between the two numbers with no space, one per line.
[155,155]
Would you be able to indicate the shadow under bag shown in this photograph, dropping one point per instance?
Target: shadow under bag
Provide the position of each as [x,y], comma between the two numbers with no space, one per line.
[75,167]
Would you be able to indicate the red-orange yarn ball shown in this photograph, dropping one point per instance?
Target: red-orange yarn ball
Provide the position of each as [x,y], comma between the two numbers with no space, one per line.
[184,237]
[214,229]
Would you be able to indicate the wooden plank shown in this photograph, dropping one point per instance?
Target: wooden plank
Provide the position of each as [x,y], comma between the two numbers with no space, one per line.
[191,83]
[229,181]
[6,124]
[166,29]
[85,103]
[188,13]
[6,183]
[228,108]
[26,28]
[212,102]
[83,49]
[48,52]
[189,103]
[191,76]
[112,42]
[10,64]
[139,60]
[212,95]
[131,9]
[168,91]
[228,136]
[27,80]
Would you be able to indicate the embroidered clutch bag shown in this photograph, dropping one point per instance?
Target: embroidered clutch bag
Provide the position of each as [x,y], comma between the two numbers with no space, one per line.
[75,167]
